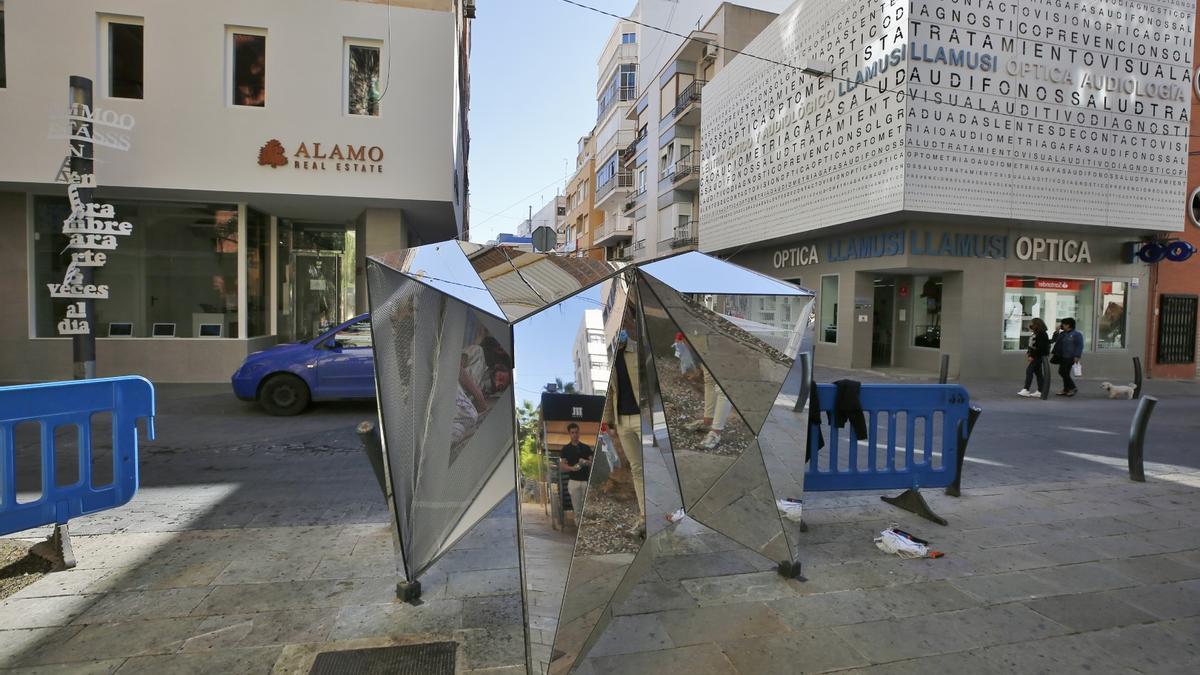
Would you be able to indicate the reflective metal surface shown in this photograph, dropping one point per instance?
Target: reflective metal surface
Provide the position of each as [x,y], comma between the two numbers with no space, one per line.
[444,267]
[475,349]
[694,272]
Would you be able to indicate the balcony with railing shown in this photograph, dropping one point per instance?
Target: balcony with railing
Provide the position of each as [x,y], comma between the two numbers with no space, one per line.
[639,248]
[618,183]
[687,104]
[686,234]
[613,232]
[615,93]
[684,174]
[630,151]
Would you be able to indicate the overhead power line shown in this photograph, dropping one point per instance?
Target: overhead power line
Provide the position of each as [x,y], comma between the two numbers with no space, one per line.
[808,70]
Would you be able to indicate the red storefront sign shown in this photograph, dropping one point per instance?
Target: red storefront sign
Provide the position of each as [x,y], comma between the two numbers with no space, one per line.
[1045,283]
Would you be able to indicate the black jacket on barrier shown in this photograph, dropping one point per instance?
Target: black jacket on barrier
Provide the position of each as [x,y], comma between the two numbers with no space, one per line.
[847,407]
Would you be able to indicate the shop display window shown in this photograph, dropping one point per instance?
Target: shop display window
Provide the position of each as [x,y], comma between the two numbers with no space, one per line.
[927,312]
[827,331]
[1110,325]
[179,266]
[1049,299]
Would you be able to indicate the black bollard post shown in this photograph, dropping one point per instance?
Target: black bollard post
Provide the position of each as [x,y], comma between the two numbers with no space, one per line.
[945,372]
[955,488]
[805,379]
[1045,378]
[374,449]
[1137,438]
[1137,377]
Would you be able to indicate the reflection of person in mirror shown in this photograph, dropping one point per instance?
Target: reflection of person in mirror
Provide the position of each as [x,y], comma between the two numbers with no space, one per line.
[687,363]
[623,415]
[485,372]
[576,460]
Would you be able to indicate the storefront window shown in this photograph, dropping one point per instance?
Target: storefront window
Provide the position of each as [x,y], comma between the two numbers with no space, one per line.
[178,268]
[258,292]
[829,309]
[1110,327]
[1049,299]
[927,312]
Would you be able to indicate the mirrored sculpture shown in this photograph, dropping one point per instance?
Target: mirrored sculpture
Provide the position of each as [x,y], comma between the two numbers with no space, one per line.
[644,392]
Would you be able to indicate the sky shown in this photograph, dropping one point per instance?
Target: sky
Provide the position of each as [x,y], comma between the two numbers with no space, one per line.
[544,343]
[533,96]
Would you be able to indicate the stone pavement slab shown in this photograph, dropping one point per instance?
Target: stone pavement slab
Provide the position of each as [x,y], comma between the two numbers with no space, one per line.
[1055,562]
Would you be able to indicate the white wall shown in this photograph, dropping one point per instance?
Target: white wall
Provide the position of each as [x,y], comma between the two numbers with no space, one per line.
[187,137]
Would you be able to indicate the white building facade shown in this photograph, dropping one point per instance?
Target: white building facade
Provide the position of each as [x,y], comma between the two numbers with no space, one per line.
[269,151]
[959,170]
[590,354]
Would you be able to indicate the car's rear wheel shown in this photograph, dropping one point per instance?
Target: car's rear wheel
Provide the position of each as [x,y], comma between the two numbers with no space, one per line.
[284,395]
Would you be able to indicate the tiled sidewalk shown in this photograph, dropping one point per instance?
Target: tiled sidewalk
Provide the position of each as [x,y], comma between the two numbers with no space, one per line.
[1054,562]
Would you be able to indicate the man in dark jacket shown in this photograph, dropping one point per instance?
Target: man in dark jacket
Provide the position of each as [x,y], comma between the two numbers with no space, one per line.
[1067,350]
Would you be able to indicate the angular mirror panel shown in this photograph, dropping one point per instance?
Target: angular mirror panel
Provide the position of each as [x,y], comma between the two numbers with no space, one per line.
[741,506]
[706,434]
[661,478]
[445,267]
[612,530]
[445,400]
[566,463]
[694,272]
[523,283]
[741,339]
[781,439]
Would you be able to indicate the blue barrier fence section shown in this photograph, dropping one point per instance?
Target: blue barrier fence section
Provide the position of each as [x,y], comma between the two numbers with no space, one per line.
[914,432]
[71,405]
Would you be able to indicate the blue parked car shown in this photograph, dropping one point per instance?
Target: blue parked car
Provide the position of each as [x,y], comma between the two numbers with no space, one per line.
[338,364]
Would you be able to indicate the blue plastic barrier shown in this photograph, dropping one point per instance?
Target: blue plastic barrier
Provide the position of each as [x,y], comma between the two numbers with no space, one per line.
[894,461]
[73,403]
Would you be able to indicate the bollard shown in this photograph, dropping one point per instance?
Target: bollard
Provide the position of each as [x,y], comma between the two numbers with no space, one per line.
[945,372]
[805,380]
[369,438]
[1137,377]
[1137,438]
[1045,378]
[955,489]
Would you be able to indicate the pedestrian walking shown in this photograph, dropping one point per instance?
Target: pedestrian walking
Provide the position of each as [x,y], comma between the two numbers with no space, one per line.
[1039,348]
[1066,352]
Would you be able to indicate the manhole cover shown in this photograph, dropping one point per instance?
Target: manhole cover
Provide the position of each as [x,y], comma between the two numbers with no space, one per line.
[431,658]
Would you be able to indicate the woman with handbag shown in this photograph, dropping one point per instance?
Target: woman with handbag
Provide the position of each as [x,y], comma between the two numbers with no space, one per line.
[1066,352]
[1039,347]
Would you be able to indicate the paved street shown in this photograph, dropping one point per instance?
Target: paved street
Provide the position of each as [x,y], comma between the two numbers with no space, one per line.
[257,542]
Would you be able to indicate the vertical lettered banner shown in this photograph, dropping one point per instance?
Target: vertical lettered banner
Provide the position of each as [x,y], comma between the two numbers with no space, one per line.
[91,228]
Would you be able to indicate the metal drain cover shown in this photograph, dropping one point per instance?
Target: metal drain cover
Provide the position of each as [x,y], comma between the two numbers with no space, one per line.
[430,658]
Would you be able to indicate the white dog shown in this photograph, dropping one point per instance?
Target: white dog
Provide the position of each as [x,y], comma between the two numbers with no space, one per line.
[1117,391]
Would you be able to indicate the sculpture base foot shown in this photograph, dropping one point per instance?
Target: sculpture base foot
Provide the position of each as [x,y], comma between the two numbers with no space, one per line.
[409,591]
[912,501]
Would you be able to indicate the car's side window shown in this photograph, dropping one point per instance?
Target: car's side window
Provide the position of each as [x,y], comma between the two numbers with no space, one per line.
[355,335]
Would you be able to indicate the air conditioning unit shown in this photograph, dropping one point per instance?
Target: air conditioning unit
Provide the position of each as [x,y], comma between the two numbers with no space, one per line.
[710,52]
[469,9]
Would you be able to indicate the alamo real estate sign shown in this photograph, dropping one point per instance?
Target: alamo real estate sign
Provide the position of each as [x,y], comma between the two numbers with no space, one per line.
[1044,110]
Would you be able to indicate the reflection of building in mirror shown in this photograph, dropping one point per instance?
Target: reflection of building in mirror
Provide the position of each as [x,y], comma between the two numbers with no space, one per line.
[590,353]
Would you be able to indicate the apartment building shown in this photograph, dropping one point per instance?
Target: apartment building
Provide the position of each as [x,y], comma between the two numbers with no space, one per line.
[616,89]
[940,196]
[253,155]
[582,215]
[590,354]
[664,156]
